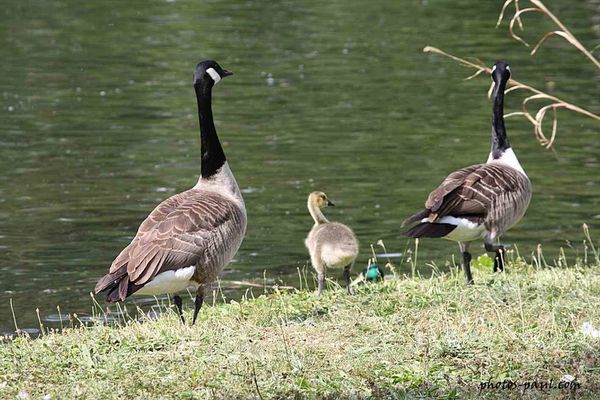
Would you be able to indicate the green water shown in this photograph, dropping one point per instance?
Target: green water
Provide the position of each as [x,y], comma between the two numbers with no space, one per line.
[99,125]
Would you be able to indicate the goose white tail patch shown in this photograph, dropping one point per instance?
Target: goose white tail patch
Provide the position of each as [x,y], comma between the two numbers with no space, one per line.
[465,231]
[170,282]
[214,75]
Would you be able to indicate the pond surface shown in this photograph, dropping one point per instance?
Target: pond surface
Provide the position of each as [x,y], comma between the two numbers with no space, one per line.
[99,125]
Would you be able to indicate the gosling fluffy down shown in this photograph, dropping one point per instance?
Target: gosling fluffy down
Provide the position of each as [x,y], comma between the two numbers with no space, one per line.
[330,244]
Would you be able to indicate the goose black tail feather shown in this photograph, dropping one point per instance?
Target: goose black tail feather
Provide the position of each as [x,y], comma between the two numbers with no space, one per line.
[117,285]
[414,218]
[426,229]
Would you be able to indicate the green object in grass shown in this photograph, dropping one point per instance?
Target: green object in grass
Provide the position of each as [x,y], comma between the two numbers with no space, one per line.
[373,273]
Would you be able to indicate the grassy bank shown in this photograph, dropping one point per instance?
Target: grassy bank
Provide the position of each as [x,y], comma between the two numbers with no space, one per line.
[432,337]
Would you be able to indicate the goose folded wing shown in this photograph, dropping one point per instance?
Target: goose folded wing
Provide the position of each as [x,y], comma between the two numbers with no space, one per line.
[156,216]
[437,197]
[177,241]
[471,191]
[453,181]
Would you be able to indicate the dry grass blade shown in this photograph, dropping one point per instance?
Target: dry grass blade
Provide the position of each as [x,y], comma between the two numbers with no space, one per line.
[514,114]
[562,31]
[490,90]
[546,36]
[462,61]
[504,7]
[475,75]
[516,17]
[554,126]
[538,125]
[539,118]
[501,16]
[527,115]
[539,96]
[514,88]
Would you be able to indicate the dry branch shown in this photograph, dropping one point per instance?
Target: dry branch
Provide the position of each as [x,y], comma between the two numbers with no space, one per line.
[538,6]
[536,120]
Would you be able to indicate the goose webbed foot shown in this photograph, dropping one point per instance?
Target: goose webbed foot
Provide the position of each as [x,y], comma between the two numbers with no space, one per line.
[178,304]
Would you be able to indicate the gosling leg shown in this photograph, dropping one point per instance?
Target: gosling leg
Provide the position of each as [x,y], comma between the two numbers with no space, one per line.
[347,278]
[321,283]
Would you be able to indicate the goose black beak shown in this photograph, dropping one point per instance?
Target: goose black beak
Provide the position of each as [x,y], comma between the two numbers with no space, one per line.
[330,204]
[227,73]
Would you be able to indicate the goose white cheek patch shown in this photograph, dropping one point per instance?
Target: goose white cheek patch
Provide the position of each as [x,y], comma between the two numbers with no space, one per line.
[214,75]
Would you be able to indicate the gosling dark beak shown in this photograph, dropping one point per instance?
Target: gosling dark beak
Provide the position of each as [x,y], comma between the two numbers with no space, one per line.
[330,204]
[227,73]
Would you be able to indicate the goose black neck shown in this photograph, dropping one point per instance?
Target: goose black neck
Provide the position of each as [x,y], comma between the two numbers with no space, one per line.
[212,155]
[500,141]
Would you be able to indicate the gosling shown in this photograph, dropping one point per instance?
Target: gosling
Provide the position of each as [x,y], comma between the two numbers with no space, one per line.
[330,244]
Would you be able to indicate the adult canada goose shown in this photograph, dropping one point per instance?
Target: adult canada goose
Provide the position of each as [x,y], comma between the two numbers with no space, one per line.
[483,200]
[330,244]
[188,239]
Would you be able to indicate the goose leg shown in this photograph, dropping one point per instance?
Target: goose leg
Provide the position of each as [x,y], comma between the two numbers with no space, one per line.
[178,303]
[347,278]
[321,283]
[499,258]
[466,264]
[198,303]
[467,267]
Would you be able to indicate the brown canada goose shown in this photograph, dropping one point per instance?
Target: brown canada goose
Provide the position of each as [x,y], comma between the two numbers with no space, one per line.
[330,244]
[482,201]
[189,238]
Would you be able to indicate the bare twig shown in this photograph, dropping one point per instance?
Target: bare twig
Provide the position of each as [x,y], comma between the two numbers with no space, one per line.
[538,6]
[536,120]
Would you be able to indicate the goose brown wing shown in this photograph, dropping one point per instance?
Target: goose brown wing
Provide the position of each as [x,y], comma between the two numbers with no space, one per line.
[472,191]
[156,216]
[436,198]
[180,237]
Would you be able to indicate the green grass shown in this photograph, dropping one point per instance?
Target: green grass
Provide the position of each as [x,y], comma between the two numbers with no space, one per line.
[429,337]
